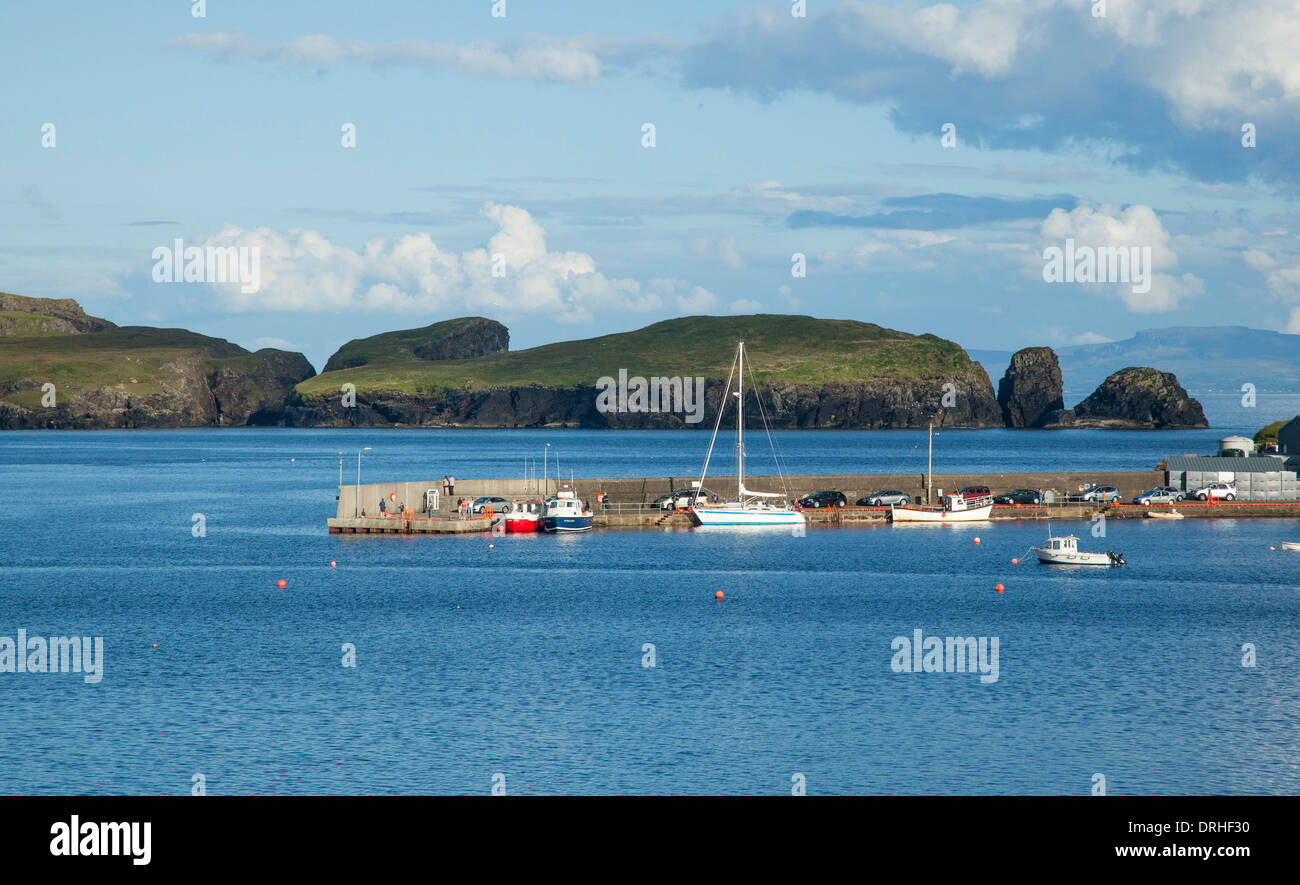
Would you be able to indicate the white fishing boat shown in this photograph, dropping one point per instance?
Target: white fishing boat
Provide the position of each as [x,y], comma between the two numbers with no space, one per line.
[1291,545]
[951,508]
[1164,514]
[750,508]
[1065,551]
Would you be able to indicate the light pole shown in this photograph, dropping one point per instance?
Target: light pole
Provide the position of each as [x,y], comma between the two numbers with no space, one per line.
[357,497]
[546,452]
[340,473]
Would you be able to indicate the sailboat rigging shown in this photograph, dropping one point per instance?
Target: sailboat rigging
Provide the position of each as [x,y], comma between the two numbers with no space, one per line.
[750,507]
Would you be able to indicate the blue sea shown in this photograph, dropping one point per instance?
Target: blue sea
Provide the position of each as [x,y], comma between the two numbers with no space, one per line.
[522,661]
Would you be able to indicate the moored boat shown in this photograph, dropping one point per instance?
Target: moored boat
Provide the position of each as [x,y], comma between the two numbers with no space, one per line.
[1065,551]
[1164,514]
[750,508]
[955,508]
[951,508]
[564,513]
[1291,545]
[525,516]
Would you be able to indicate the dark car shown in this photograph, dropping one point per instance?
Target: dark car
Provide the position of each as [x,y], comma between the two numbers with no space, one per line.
[1020,496]
[975,492]
[818,500]
[884,498]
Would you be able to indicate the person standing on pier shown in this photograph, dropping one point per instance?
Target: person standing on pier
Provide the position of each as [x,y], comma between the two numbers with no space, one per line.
[446,487]
[451,486]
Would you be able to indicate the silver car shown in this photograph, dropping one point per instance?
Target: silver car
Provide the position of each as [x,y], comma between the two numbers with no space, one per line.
[1157,496]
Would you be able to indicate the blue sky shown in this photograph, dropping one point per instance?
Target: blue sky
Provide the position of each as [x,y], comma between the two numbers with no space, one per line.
[522,137]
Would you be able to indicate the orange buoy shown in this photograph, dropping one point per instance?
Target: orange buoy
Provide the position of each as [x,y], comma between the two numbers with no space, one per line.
[155,645]
[999,588]
[282,583]
[333,564]
[1271,547]
[977,540]
[492,546]
[719,595]
[1015,561]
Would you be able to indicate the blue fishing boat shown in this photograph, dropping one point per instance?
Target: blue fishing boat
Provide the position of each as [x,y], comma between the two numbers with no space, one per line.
[565,513]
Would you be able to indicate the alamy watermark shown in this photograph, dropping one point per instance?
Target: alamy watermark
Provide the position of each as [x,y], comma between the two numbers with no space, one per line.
[1098,264]
[637,394]
[58,654]
[946,654]
[214,264]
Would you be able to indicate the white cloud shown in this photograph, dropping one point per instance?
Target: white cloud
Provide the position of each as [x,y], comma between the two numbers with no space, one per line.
[1110,227]
[722,249]
[276,343]
[1091,338]
[565,61]
[744,305]
[304,272]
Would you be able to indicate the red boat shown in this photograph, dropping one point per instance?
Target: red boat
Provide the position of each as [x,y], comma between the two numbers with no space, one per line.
[525,516]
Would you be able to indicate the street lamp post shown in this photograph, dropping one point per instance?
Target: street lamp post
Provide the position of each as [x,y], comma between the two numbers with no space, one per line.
[356,499]
[546,452]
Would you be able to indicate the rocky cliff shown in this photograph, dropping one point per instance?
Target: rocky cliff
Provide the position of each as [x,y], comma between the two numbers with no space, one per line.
[1139,398]
[868,405]
[65,369]
[21,316]
[1031,388]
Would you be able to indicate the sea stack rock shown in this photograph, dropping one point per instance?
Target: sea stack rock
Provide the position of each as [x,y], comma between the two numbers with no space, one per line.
[1141,398]
[1031,389]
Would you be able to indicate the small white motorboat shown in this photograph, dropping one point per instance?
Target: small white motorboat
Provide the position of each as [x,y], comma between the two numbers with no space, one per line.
[1291,545]
[1164,514]
[1065,551]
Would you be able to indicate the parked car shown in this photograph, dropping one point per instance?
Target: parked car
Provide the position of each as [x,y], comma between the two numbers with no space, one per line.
[498,504]
[818,500]
[1160,495]
[971,492]
[1096,494]
[1020,496]
[884,498]
[1225,490]
[678,500]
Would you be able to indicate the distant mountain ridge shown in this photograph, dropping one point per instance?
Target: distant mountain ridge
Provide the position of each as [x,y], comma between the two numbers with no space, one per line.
[1205,359]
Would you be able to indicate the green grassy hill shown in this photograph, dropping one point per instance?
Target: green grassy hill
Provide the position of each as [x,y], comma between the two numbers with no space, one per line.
[107,376]
[794,349]
[450,339]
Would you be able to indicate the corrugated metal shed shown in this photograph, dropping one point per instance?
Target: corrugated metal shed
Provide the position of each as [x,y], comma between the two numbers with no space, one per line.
[1258,478]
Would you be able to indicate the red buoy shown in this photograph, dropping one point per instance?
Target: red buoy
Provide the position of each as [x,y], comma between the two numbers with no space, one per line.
[333,564]
[1015,562]
[718,595]
[977,540]
[282,583]
[999,588]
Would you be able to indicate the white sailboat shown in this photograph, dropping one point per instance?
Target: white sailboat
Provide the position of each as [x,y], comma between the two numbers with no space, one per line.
[750,508]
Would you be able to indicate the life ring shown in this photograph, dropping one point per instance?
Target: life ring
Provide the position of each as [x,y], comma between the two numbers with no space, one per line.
[392,496]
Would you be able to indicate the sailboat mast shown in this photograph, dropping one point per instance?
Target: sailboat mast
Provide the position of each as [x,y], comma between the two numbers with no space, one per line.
[740,426]
[929,468]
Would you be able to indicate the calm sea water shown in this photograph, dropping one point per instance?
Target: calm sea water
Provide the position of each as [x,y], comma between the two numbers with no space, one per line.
[526,659]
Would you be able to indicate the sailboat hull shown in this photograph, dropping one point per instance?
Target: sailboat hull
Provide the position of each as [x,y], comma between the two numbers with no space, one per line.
[727,516]
[917,514]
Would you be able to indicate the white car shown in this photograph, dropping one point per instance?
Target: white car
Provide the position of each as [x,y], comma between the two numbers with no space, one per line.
[1225,490]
